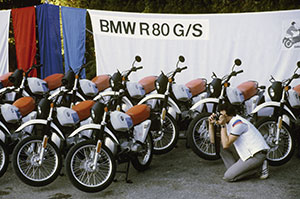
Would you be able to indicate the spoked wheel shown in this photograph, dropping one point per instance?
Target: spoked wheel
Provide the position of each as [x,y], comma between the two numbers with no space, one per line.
[283,151]
[165,139]
[198,137]
[82,171]
[3,158]
[143,158]
[30,167]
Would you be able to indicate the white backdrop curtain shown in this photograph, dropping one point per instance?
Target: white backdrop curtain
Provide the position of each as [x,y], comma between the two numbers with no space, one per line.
[209,43]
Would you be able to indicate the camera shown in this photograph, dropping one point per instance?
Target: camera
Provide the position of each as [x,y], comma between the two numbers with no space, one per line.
[216,116]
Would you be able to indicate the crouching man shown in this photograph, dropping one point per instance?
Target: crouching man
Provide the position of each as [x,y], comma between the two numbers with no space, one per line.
[244,148]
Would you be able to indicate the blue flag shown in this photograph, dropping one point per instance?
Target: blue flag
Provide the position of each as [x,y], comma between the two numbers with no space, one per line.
[49,39]
[74,24]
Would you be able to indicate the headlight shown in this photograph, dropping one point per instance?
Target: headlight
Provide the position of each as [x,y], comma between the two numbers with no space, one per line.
[112,84]
[211,89]
[93,115]
[157,85]
[271,92]
[39,110]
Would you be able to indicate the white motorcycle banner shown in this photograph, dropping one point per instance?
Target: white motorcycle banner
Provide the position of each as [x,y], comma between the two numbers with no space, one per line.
[209,43]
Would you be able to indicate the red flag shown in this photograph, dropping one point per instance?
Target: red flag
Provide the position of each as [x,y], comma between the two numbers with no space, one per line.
[25,37]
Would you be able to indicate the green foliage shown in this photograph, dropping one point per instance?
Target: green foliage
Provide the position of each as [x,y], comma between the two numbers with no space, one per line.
[170,6]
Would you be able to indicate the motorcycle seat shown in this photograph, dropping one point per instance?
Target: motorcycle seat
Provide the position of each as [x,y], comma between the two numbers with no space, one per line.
[196,86]
[297,89]
[25,105]
[148,83]
[248,88]
[54,80]
[83,109]
[102,82]
[4,79]
[139,113]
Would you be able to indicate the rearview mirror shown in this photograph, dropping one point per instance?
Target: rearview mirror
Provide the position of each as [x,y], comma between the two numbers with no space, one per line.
[181,58]
[237,62]
[138,58]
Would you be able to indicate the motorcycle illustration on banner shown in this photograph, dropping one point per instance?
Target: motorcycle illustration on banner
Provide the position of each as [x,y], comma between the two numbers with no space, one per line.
[293,36]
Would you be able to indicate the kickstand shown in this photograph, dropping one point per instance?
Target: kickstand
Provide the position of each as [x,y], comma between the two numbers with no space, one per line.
[127,173]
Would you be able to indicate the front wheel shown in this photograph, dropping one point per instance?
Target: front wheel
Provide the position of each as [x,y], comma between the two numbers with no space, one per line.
[143,158]
[29,166]
[3,158]
[83,173]
[165,138]
[282,152]
[198,137]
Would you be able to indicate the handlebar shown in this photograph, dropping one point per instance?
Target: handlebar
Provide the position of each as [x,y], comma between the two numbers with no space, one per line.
[287,82]
[183,68]
[133,69]
[81,68]
[35,66]
[226,78]
[240,71]
[137,68]
[178,70]
[262,87]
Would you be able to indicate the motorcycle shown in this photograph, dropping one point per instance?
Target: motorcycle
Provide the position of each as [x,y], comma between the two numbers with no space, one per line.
[277,128]
[75,89]
[12,116]
[171,105]
[117,137]
[21,85]
[129,93]
[244,97]
[290,41]
[37,159]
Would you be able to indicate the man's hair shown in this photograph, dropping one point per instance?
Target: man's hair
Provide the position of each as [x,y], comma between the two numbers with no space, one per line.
[229,108]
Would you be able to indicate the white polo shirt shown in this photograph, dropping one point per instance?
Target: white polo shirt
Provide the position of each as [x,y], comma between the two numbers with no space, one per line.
[250,140]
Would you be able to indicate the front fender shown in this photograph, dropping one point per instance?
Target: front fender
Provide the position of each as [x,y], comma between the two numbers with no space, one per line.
[105,93]
[4,132]
[113,93]
[273,104]
[5,129]
[95,127]
[204,101]
[41,122]
[171,102]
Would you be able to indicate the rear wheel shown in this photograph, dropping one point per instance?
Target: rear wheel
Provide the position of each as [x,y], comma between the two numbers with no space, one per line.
[28,165]
[3,158]
[198,137]
[81,170]
[282,152]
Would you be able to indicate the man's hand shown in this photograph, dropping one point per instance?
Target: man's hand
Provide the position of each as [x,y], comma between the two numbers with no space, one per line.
[222,120]
[212,119]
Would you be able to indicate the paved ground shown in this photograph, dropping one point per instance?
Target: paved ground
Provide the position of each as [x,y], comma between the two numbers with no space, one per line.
[178,174]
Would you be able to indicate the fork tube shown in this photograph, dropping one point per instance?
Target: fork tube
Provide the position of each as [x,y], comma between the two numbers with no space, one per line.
[279,126]
[279,122]
[44,145]
[98,150]
[165,103]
